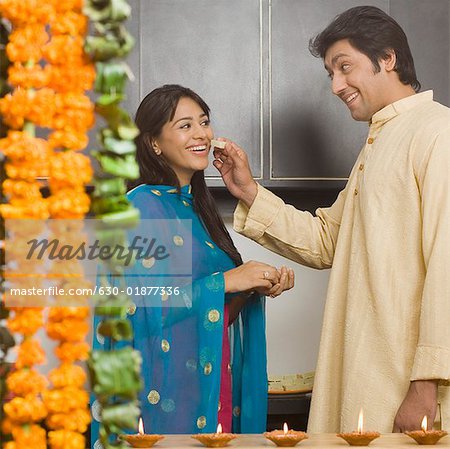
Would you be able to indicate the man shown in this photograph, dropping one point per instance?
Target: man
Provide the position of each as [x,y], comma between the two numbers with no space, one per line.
[385,344]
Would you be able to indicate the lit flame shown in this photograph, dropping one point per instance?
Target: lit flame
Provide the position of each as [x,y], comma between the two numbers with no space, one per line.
[285,428]
[141,427]
[219,428]
[424,424]
[360,421]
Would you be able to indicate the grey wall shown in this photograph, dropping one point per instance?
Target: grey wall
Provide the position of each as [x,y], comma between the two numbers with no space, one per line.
[313,135]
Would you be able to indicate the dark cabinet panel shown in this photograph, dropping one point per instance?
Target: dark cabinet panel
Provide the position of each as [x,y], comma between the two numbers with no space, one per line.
[213,47]
[313,134]
[427,26]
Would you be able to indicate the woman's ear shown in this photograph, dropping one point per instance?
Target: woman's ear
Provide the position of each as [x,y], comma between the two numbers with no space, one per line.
[154,146]
[390,60]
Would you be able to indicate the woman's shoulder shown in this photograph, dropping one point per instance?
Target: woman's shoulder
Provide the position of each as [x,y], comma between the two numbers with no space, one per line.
[148,199]
[147,193]
[142,190]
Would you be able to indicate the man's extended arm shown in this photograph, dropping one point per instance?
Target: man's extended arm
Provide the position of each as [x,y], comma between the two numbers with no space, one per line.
[265,218]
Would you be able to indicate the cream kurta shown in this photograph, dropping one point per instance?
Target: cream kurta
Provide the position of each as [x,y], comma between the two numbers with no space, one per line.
[387,238]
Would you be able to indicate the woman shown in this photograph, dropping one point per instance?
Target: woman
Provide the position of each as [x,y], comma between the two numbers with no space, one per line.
[194,378]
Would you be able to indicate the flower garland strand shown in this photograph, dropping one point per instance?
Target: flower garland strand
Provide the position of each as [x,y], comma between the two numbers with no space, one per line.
[49,74]
[70,74]
[26,160]
[6,339]
[115,374]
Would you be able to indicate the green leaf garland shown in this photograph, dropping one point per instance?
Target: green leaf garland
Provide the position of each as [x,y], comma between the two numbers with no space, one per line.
[115,374]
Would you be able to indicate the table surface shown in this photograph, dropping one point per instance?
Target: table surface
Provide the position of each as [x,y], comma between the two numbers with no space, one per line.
[322,441]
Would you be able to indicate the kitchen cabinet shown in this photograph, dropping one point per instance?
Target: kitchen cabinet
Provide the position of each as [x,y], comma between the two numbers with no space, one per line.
[249,60]
[212,47]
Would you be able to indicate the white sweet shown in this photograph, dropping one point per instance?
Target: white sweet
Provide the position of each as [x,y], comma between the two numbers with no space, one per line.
[218,144]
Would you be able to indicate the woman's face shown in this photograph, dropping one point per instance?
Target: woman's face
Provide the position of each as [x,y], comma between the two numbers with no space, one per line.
[184,141]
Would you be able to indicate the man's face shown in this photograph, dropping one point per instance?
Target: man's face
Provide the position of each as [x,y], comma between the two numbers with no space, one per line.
[354,81]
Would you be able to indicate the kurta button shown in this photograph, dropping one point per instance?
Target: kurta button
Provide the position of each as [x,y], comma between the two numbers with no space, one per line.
[356,191]
[148,263]
[153,397]
[131,309]
[370,140]
[201,422]
[207,369]
[213,316]
[361,166]
[178,240]
[165,345]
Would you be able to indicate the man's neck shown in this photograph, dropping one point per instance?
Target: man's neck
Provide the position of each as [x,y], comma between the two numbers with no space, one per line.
[399,92]
[402,91]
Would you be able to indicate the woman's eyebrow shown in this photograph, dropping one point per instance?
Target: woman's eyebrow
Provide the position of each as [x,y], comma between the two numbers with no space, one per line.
[190,118]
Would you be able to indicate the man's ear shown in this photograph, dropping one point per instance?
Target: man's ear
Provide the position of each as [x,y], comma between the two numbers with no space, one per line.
[390,60]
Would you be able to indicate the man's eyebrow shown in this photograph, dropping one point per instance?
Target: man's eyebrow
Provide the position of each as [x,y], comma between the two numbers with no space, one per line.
[335,59]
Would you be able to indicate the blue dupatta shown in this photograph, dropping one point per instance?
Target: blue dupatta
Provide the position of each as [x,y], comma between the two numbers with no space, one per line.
[180,336]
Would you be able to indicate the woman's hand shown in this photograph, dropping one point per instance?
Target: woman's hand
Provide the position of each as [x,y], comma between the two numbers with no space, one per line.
[252,275]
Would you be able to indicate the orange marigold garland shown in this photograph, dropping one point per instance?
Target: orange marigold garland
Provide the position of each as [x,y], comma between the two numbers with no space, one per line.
[27,159]
[6,339]
[26,409]
[70,74]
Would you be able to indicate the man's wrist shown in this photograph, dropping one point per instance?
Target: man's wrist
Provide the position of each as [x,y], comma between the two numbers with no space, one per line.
[427,386]
[249,194]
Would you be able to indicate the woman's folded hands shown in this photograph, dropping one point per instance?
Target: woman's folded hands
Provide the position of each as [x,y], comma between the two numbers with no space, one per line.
[258,276]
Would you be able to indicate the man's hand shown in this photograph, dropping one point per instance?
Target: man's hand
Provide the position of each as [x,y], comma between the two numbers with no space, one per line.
[232,163]
[286,282]
[420,400]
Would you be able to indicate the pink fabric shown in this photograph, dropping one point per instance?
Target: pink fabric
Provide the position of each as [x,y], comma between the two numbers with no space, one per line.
[225,412]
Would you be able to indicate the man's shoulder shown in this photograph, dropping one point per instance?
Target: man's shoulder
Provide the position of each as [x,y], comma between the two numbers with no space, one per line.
[431,118]
[435,113]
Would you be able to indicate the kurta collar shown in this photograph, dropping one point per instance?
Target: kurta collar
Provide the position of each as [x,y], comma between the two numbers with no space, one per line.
[405,104]
[185,192]
[187,189]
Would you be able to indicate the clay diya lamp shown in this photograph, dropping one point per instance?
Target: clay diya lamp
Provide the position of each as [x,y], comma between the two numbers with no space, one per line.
[359,438]
[286,437]
[424,436]
[218,439]
[141,439]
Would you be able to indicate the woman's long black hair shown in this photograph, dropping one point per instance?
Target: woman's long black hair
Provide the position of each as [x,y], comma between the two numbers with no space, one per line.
[155,110]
